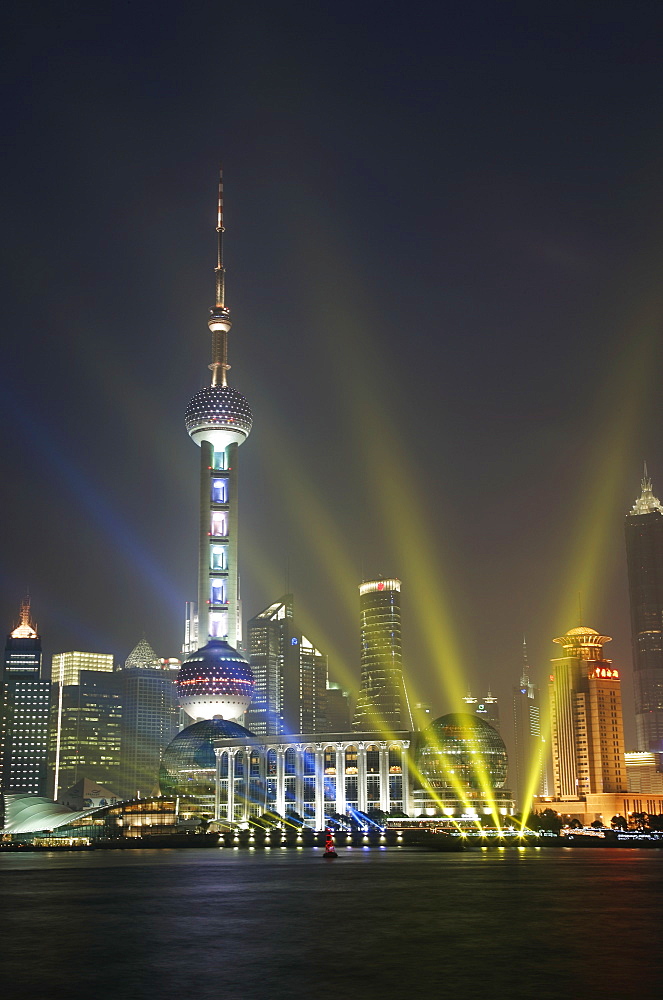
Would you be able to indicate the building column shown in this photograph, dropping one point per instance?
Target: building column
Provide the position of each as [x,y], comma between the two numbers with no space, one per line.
[230,811]
[405,777]
[263,778]
[280,780]
[361,777]
[299,779]
[384,777]
[246,784]
[340,778]
[319,787]
[217,785]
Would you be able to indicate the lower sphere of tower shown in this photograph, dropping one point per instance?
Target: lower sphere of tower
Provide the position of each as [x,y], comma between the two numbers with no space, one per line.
[215,682]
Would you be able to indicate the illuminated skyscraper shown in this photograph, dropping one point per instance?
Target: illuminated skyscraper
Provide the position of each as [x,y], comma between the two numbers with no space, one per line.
[24,711]
[149,718]
[86,719]
[644,555]
[382,702]
[587,730]
[527,733]
[219,420]
[290,674]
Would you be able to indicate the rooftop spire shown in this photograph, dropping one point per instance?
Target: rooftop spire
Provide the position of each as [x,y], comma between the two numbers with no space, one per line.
[524,680]
[219,321]
[219,270]
[646,503]
[25,630]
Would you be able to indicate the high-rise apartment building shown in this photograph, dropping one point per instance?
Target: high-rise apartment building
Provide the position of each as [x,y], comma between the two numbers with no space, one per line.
[24,711]
[382,703]
[290,674]
[644,554]
[587,732]
[528,758]
[149,718]
[86,718]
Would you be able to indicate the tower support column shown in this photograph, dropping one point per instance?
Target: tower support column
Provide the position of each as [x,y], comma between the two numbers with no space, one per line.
[232,453]
[206,463]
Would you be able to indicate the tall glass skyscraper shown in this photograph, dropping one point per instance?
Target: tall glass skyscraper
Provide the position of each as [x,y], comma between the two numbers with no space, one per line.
[527,737]
[644,555]
[24,711]
[86,718]
[290,694]
[149,718]
[382,703]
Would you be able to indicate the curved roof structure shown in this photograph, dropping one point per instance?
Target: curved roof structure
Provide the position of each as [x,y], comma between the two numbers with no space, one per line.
[34,814]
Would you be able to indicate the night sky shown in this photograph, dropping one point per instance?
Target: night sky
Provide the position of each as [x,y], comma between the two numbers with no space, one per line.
[444,248]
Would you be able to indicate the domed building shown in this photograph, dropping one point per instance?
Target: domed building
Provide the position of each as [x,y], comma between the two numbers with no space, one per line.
[188,765]
[462,764]
[215,681]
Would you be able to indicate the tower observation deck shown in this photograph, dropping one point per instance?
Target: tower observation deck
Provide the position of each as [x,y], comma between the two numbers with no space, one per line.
[219,419]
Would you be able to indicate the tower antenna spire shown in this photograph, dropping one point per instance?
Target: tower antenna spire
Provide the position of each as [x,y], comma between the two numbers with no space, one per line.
[219,322]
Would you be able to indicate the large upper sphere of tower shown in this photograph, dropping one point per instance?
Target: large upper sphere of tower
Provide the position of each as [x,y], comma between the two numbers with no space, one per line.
[220,414]
[215,682]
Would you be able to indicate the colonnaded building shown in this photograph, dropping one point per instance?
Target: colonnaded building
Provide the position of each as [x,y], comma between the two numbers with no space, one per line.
[229,775]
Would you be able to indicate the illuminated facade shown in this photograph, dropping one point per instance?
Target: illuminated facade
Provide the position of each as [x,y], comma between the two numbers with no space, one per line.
[382,703]
[219,419]
[528,760]
[24,712]
[587,733]
[86,721]
[290,674]
[215,682]
[149,718]
[644,554]
[644,772]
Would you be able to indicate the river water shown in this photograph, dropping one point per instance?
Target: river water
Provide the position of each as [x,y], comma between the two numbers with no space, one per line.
[265,925]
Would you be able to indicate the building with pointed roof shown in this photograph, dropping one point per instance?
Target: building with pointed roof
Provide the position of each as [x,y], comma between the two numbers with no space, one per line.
[528,758]
[149,719]
[644,557]
[24,711]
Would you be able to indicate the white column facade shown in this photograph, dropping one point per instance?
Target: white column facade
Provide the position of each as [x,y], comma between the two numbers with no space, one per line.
[280,780]
[361,777]
[319,787]
[321,806]
[340,778]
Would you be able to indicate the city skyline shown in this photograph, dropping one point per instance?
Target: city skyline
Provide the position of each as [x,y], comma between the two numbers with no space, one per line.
[411,289]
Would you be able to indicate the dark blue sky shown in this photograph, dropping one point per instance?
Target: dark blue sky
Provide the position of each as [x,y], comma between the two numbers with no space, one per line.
[443,228]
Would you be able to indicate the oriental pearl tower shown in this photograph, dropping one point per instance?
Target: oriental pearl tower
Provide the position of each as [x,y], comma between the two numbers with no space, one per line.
[216,681]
